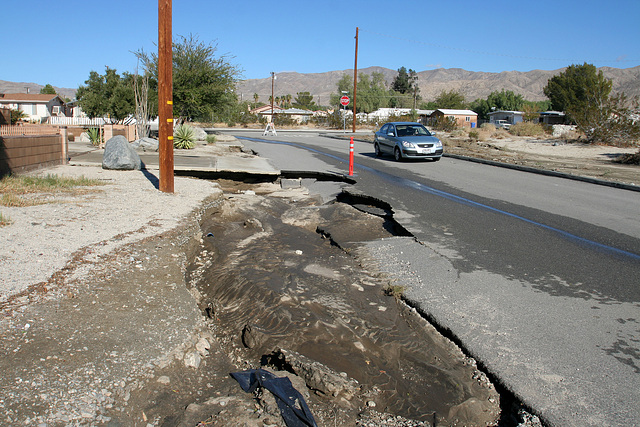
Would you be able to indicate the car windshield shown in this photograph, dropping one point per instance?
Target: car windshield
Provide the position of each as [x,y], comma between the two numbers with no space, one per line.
[412,130]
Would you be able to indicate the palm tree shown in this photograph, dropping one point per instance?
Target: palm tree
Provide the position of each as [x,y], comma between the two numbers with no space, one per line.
[17,115]
[256,97]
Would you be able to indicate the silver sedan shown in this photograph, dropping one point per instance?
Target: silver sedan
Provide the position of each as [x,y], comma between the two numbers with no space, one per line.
[407,140]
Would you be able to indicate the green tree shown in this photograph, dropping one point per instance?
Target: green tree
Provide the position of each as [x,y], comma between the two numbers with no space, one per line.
[372,93]
[404,92]
[107,95]
[17,115]
[532,109]
[571,88]
[405,82]
[450,99]
[504,100]
[583,94]
[304,101]
[203,83]
[345,84]
[48,90]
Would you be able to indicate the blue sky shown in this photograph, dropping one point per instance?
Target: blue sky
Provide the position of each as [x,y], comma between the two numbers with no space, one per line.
[60,42]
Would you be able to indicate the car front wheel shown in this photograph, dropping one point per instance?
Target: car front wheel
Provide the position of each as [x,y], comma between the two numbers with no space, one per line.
[397,154]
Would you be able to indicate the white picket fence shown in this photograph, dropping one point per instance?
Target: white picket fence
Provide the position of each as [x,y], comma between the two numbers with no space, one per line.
[27,129]
[76,121]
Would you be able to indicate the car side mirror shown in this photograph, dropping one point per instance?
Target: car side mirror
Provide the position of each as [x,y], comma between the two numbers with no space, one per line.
[391,134]
[432,133]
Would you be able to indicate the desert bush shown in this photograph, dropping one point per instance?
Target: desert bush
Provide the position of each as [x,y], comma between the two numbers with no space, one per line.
[17,115]
[211,139]
[474,135]
[283,120]
[527,129]
[95,136]
[184,137]
[396,291]
[629,159]
[446,124]
[500,134]
[488,126]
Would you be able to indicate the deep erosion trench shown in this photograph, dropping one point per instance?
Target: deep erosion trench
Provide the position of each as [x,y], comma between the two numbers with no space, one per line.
[277,292]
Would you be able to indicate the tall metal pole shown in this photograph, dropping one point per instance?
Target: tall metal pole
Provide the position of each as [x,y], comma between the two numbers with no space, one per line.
[355,83]
[165,96]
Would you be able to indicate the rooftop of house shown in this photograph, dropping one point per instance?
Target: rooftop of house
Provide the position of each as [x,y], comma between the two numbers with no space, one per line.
[457,112]
[28,97]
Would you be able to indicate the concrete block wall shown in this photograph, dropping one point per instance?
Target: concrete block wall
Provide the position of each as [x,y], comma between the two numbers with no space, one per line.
[28,152]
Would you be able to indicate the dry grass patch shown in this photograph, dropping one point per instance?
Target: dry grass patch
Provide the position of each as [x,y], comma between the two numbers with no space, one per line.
[4,220]
[14,188]
[527,129]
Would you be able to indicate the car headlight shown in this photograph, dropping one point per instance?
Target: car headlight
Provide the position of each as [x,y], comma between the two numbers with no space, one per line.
[407,144]
[439,144]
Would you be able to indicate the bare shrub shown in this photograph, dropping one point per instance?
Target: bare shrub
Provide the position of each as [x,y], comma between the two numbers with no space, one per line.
[629,159]
[527,129]
[500,134]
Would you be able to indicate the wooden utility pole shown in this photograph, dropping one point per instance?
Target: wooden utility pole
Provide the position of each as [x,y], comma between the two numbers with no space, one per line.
[165,96]
[272,85]
[355,83]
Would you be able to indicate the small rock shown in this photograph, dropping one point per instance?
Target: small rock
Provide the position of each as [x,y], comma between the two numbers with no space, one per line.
[203,346]
[192,360]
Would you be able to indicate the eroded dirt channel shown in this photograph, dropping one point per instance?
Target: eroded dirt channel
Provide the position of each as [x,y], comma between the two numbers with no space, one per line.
[277,291]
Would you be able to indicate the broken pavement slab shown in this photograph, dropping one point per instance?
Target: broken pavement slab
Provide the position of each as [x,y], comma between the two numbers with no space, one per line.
[223,157]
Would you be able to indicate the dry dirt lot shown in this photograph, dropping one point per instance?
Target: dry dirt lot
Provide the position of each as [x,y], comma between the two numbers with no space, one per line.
[574,158]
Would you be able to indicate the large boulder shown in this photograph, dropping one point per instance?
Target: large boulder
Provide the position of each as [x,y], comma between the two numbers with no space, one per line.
[145,144]
[200,134]
[120,155]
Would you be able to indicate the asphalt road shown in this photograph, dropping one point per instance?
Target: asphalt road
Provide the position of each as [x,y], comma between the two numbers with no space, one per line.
[537,277]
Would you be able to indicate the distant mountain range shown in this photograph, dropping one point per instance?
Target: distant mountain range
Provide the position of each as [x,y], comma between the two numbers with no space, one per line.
[471,84]
[17,87]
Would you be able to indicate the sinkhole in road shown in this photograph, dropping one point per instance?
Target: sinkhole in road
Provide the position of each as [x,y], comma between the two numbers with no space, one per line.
[279,271]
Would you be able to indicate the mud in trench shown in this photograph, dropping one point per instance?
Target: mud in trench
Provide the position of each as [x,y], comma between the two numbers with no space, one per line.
[276,291]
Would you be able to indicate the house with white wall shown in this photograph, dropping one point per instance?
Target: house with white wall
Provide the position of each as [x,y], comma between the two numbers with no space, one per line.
[37,107]
[511,117]
[463,118]
[382,114]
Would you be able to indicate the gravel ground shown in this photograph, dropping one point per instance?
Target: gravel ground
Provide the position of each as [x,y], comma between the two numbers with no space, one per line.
[127,208]
[93,297]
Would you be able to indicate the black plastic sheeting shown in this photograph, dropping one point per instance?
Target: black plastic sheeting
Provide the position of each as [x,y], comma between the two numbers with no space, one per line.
[287,397]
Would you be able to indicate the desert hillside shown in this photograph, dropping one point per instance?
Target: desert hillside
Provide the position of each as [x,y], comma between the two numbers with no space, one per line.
[472,84]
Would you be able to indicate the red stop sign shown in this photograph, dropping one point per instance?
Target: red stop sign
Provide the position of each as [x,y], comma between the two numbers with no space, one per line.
[344,100]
